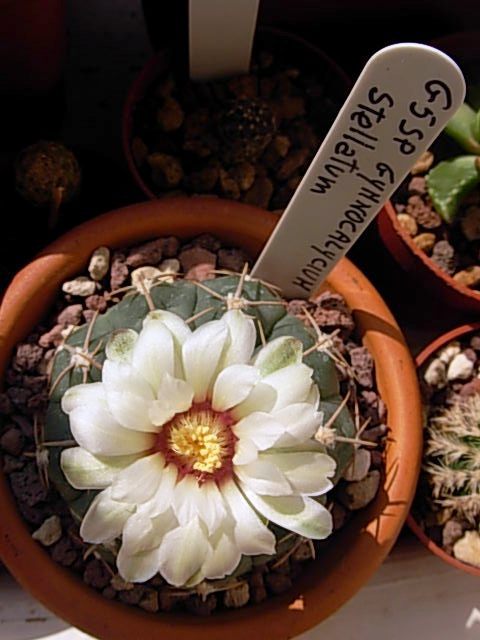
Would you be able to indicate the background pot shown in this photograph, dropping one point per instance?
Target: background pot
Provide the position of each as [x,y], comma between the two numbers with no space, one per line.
[455,334]
[301,52]
[465,50]
[356,551]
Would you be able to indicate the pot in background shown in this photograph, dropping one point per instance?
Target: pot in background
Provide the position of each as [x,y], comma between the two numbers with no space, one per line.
[275,40]
[465,50]
[455,334]
[354,553]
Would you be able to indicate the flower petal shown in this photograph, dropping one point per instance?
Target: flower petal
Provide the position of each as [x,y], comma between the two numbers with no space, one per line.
[307,472]
[95,429]
[261,398]
[260,428]
[301,422]
[138,482]
[182,553]
[277,354]
[174,396]
[292,384]
[121,377]
[154,354]
[212,510]
[223,556]
[264,477]
[242,334]
[245,451]
[142,533]
[139,567]
[299,514]
[251,535]
[201,354]
[162,498]
[86,471]
[233,385]
[120,345]
[186,500]
[180,332]
[104,519]
[83,395]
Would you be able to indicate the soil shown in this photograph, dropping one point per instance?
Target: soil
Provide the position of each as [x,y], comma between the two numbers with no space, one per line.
[24,401]
[248,138]
[454,248]
[452,384]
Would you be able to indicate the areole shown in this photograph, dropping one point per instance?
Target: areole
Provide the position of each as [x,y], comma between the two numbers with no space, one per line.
[353,554]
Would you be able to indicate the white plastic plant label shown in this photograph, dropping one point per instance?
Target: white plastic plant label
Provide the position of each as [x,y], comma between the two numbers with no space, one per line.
[220,37]
[401,102]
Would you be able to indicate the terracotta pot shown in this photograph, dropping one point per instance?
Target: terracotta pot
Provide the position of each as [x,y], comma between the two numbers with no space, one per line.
[302,53]
[464,48]
[355,552]
[455,334]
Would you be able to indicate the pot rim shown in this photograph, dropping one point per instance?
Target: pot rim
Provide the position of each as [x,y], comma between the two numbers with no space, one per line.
[358,549]
[447,280]
[420,360]
[148,73]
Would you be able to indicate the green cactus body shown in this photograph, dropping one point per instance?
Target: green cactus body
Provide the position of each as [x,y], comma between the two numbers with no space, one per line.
[452,458]
[450,181]
[187,300]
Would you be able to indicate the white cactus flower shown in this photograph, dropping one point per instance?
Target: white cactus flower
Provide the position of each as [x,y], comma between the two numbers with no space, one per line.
[195,445]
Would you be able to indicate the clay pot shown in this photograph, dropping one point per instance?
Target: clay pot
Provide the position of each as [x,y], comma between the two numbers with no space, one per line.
[455,334]
[354,553]
[302,53]
[464,48]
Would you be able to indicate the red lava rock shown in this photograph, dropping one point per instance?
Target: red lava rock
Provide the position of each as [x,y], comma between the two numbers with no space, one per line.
[475,343]
[362,363]
[377,459]
[443,255]
[12,441]
[372,406]
[118,270]
[232,259]
[470,354]
[38,402]
[88,315]
[200,272]
[27,357]
[131,596]
[339,515]
[375,433]
[27,487]
[96,574]
[19,396]
[278,582]
[295,160]
[12,463]
[5,404]
[149,253]
[70,315]
[196,255]
[24,423]
[109,593]
[96,303]
[201,607]
[53,337]
[166,600]
[170,246]
[470,388]
[64,553]
[330,319]
[452,531]
[417,186]
[258,592]
[35,384]
[208,242]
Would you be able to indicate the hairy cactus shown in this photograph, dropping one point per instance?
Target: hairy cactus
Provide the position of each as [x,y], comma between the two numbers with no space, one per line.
[451,180]
[453,458]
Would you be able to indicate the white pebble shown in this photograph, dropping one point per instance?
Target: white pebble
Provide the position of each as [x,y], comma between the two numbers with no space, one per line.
[169,269]
[99,263]
[358,468]
[436,374]
[143,278]
[49,532]
[460,368]
[467,549]
[448,353]
[81,286]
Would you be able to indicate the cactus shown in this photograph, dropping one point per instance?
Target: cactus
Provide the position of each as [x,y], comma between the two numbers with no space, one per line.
[81,356]
[451,180]
[452,454]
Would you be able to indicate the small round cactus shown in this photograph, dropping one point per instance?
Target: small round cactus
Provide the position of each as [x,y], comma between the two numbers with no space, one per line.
[47,174]
[245,128]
